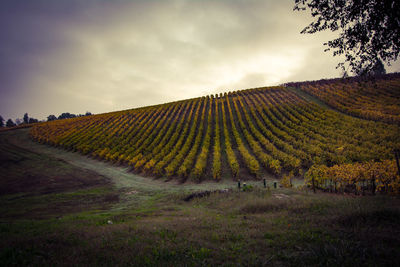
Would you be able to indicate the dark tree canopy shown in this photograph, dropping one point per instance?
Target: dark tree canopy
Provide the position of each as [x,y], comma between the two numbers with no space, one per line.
[26,118]
[32,120]
[66,115]
[369,30]
[51,118]
[10,123]
[1,121]
[378,68]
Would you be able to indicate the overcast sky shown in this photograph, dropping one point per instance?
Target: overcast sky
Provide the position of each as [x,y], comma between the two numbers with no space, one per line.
[100,56]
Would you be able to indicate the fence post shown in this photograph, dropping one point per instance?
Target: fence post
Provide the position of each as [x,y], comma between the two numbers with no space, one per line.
[239,184]
[363,188]
[397,156]
[313,184]
[265,183]
[373,184]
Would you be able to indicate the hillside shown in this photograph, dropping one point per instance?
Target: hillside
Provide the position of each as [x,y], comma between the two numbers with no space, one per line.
[374,99]
[250,133]
[59,208]
[86,205]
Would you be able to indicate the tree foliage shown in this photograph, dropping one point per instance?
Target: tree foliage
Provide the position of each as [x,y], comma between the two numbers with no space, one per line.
[51,118]
[66,115]
[10,123]
[369,30]
[1,121]
[356,177]
[32,120]
[26,118]
[378,68]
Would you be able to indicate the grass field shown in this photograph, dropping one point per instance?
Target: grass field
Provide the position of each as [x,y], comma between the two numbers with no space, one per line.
[62,208]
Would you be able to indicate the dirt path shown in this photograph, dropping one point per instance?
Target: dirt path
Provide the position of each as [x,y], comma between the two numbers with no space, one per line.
[121,177]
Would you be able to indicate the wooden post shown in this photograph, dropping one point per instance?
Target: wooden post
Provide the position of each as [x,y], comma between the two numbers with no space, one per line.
[239,184]
[275,185]
[397,156]
[373,185]
[313,185]
[265,183]
[363,188]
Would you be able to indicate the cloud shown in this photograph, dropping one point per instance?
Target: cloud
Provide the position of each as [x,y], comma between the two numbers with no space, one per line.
[97,55]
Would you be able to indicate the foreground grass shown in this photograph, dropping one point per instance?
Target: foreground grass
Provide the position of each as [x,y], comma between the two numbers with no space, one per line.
[277,227]
[56,210]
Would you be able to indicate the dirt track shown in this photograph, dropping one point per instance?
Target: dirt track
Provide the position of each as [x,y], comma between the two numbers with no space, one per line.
[120,176]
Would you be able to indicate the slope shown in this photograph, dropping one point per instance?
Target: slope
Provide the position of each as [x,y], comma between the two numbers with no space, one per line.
[262,132]
[376,98]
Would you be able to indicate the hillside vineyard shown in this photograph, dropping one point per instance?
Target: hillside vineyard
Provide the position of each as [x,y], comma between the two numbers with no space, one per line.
[377,99]
[248,133]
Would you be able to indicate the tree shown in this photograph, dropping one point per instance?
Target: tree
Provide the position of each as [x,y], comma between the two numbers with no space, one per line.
[26,118]
[1,121]
[378,68]
[369,30]
[32,120]
[10,123]
[66,115]
[51,118]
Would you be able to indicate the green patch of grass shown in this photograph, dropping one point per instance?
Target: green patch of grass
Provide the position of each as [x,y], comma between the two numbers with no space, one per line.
[147,223]
[263,206]
[57,204]
[201,232]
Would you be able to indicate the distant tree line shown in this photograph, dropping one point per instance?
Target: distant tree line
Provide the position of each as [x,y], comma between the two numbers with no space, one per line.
[27,120]
[66,115]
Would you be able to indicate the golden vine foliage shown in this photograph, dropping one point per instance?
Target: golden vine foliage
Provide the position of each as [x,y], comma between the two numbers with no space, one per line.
[377,100]
[244,133]
[380,176]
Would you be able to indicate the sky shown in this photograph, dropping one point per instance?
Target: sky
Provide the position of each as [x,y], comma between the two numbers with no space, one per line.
[107,55]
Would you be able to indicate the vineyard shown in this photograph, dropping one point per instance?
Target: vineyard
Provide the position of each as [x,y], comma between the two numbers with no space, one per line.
[251,133]
[377,99]
[359,178]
